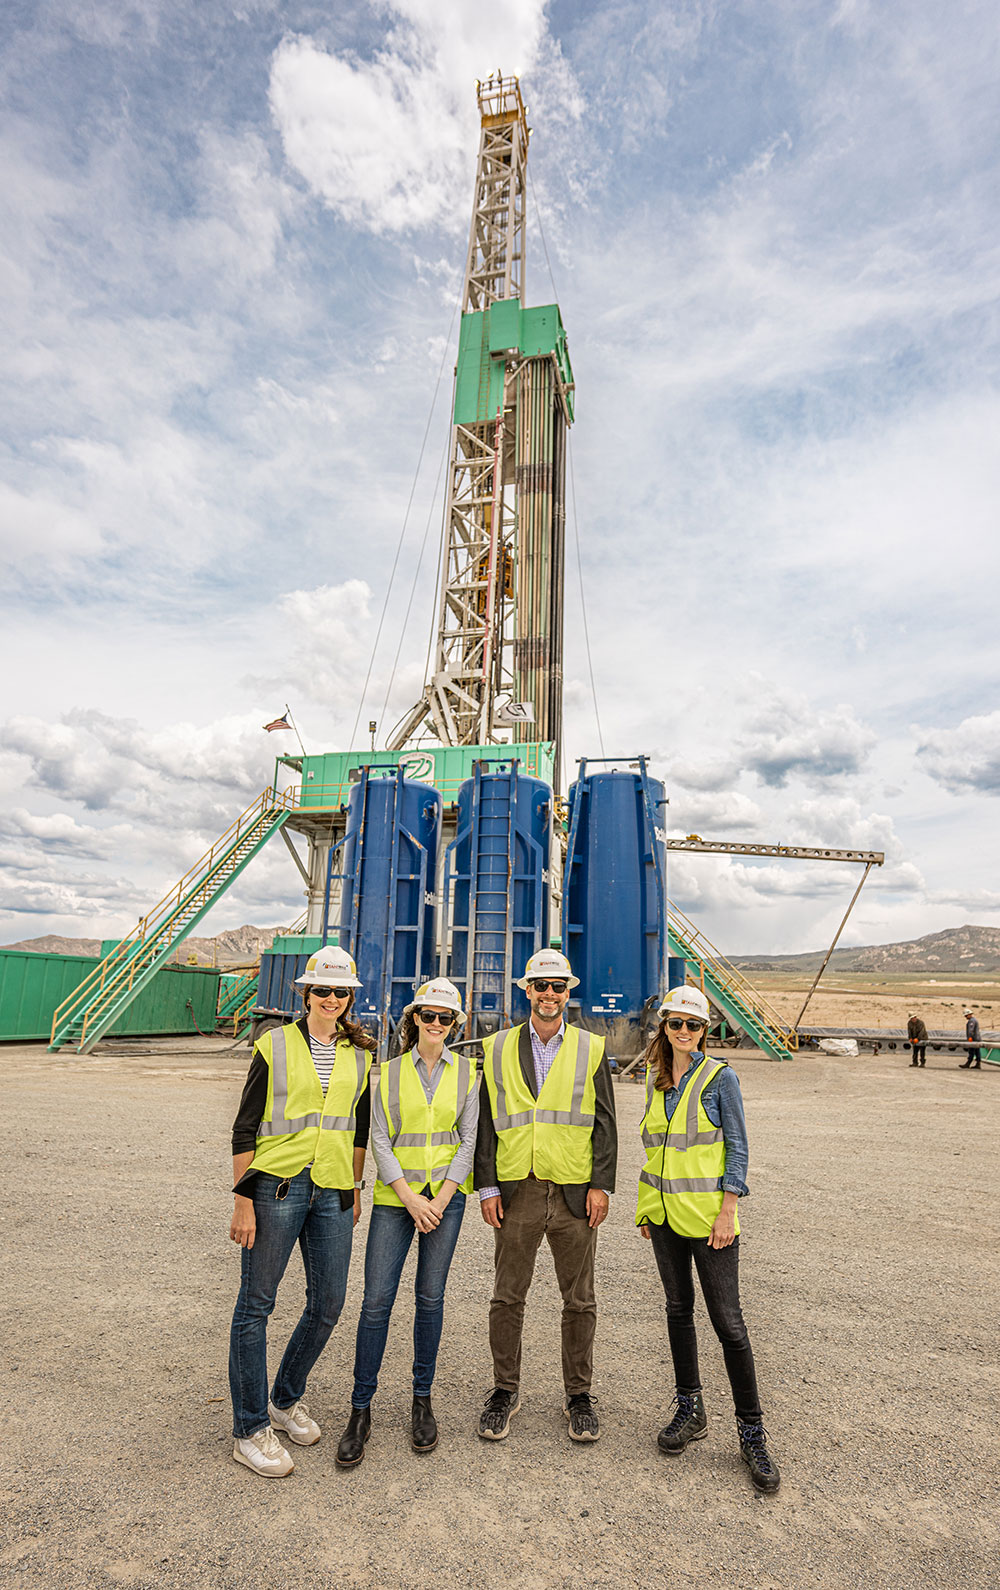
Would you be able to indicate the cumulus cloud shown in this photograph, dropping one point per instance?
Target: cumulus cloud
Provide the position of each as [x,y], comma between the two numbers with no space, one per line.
[788,736]
[388,142]
[965,759]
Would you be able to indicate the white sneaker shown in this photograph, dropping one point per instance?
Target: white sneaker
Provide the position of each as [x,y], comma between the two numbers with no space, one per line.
[263,1453]
[295,1422]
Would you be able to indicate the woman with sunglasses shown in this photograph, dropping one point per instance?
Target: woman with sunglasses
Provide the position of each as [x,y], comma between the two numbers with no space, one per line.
[694,1134]
[425,1116]
[299,1143]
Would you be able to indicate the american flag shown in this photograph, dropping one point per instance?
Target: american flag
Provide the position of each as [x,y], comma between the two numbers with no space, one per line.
[278,723]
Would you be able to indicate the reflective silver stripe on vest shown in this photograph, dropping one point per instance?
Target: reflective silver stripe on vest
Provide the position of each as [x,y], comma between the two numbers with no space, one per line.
[280,1125]
[348,1123]
[690,1136]
[575,1116]
[421,1178]
[680,1184]
[651,1139]
[418,1139]
[501,1120]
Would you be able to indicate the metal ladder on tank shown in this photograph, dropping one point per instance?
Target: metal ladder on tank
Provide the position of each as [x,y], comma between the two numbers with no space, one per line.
[493,870]
[491,866]
[389,977]
[728,989]
[96,1004]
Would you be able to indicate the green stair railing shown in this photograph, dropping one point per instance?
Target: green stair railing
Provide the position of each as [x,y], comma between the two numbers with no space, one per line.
[726,986]
[240,997]
[95,1004]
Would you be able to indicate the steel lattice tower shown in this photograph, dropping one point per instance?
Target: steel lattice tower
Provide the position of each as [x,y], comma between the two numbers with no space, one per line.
[498,645]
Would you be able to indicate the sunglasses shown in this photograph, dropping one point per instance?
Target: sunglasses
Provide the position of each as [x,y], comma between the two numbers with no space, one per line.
[431,1018]
[324,993]
[542,984]
[677,1023]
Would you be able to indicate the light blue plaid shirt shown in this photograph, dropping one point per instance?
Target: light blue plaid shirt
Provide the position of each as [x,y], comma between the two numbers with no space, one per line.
[543,1055]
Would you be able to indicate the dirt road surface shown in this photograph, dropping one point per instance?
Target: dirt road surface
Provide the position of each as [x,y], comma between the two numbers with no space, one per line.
[870,1277]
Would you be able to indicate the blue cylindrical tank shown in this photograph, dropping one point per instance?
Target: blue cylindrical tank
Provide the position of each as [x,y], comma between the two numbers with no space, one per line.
[677,971]
[277,994]
[497,883]
[388,910]
[614,895]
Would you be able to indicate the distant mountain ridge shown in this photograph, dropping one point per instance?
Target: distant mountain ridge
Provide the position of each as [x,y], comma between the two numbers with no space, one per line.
[234,947]
[963,949]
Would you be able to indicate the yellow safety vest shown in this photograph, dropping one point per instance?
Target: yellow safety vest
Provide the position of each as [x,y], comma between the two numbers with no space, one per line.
[424,1137]
[553,1134]
[299,1126]
[685,1158]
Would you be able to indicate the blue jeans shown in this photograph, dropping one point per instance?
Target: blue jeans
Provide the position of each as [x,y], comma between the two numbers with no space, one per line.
[312,1217]
[389,1237]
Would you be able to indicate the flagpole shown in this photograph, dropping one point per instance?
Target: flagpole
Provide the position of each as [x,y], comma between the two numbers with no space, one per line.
[295,726]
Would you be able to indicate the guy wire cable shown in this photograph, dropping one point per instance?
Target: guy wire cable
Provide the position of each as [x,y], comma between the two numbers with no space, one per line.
[583,603]
[541,231]
[413,588]
[402,533]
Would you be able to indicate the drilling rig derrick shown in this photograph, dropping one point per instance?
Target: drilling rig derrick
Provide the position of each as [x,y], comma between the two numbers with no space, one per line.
[497,670]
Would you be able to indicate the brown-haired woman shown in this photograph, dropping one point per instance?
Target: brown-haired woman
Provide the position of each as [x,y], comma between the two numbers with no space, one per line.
[694,1134]
[299,1144]
[425,1117]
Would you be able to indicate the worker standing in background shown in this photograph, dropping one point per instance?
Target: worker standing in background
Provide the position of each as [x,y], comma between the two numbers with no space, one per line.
[425,1115]
[972,1036]
[916,1034]
[299,1144]
[545,1164]
[694,1133]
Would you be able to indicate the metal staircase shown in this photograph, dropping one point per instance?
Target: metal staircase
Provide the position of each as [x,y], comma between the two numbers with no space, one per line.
[727,988]
[237,1004]
[95,1005]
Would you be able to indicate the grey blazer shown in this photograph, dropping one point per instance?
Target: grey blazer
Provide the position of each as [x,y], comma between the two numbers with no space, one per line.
[605,1135]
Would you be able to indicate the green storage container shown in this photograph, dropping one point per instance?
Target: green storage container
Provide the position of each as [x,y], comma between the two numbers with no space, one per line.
[327,779]
[297,943]
[32,985]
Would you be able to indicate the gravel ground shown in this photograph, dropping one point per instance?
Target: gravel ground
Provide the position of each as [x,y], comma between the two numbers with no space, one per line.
[870,1285]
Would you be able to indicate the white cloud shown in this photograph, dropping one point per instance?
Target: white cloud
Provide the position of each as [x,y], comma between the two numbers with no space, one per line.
[388,142]
[965,759]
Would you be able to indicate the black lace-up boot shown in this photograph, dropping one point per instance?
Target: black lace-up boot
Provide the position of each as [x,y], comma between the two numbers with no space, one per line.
[689,1423]
[753,1446]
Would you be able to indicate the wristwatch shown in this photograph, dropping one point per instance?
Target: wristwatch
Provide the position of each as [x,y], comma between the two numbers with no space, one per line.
[359,1186]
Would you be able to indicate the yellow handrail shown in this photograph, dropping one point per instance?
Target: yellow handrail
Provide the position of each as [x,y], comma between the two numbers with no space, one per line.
[731,979]
[117,972]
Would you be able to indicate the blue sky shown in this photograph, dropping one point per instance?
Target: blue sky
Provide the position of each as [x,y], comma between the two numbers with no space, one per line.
[232,245]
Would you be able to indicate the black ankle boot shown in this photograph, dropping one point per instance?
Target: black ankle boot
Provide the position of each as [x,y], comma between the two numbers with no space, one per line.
[753,1449]
[352,1443]
[689,1423]
[424,1430]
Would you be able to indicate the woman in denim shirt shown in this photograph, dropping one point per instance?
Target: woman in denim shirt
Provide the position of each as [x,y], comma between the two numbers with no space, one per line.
[690,1215]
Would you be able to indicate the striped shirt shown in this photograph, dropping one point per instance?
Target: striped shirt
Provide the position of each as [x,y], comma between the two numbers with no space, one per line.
[323,1056]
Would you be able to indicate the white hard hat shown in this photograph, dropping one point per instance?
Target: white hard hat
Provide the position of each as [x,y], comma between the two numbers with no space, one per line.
[439,991]
[547,963]
[330,965]
[685,1001]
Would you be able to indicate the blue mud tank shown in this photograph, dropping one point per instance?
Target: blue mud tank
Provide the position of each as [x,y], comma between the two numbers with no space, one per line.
[614,895]
[388,912]
[497,888]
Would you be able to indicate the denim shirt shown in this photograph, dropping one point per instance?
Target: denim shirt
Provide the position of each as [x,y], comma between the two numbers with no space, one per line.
[723,1104]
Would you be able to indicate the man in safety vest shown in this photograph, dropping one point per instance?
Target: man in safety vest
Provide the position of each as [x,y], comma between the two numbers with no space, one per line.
[545,1163]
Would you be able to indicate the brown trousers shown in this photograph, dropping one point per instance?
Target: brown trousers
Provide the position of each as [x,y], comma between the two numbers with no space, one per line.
[538,1209]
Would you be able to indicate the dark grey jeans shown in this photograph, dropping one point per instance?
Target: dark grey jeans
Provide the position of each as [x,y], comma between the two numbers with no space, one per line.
[718,1272]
